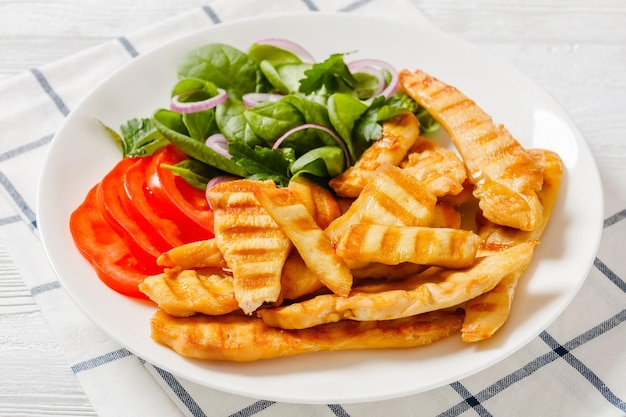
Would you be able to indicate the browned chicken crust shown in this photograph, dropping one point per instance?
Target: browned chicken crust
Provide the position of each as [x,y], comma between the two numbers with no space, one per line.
[434,289]
[506,179]
[253,245]
[486,313]
[399,134]
[244,339]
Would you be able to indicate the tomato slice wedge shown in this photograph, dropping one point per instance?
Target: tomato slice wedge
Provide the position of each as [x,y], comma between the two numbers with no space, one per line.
[104,249]
[134,193]
[111,208]
[175,199]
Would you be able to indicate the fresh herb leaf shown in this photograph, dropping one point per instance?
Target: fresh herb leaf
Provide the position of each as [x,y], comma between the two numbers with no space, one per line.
[332,74]
[170,124]
[193,172]
[264,163]
[139,137]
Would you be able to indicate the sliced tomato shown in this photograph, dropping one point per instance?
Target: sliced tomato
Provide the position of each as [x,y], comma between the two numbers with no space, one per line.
[111,208]
[104,248]
[176,199]
[134,193]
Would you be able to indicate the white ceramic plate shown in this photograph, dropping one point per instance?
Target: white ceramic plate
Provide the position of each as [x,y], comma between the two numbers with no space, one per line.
[81,154]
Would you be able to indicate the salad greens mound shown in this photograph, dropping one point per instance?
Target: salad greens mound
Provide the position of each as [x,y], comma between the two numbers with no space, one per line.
[275,115]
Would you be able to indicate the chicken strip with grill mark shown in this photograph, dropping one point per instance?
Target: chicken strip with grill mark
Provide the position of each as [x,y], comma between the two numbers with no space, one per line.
[399,134]
[253,245]
[506,179]
[187,292]
[245,339]
[392,197]
[392,245]
[433,289]
[438,168]
[486,313]
[311,242]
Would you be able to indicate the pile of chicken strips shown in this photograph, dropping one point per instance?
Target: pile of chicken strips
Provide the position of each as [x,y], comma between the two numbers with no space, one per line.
[379,260]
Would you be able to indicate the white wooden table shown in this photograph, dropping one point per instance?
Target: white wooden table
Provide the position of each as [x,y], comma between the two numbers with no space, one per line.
[575,49]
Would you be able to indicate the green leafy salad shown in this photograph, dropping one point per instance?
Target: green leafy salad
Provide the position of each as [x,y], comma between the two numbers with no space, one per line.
[271,113]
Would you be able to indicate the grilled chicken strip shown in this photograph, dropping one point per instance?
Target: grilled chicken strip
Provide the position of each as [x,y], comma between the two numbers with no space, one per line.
[485,314]
[187,292]
[438,168]
[433,289]
[392,197]
[399,134]
[311,242]
[319,201]
[244,339]
[201,254]
[392,245]
[252,244]
[506,179]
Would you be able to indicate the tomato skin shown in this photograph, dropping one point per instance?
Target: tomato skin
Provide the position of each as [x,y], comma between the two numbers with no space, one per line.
[173,198]
[135,213]
[134,194]
[111,208]
[104,248]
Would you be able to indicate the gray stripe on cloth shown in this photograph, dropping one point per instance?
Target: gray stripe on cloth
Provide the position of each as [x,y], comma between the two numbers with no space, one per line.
[50,91]
[338,410]
[211,13]
[128,46]
[355,5]
[615,218]
[538,363]
[181,393]
[10,220]
[253,408]
[18,199]
[100,360]
[48,286]
[612,276]
[310,5]
[564,352]
[25,148]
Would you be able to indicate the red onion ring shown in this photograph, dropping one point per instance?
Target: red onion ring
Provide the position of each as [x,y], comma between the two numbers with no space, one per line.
[338,139]
[196,106]
[219,179]
[219,144]
[290,46]
[377,65]
[216,180]
[252,99]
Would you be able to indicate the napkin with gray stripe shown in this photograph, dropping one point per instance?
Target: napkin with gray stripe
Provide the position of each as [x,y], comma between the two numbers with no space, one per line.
[575,367]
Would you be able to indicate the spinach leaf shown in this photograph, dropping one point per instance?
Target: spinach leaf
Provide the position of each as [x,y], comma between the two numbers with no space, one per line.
[325,161]
[223,65]
[171,126]
[233,125]
[344,110]
[264,163]
[269,120]
[138,137]
[194,89]
[272,54]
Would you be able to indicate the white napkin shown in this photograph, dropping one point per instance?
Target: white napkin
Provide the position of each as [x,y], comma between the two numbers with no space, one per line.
[577,367]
